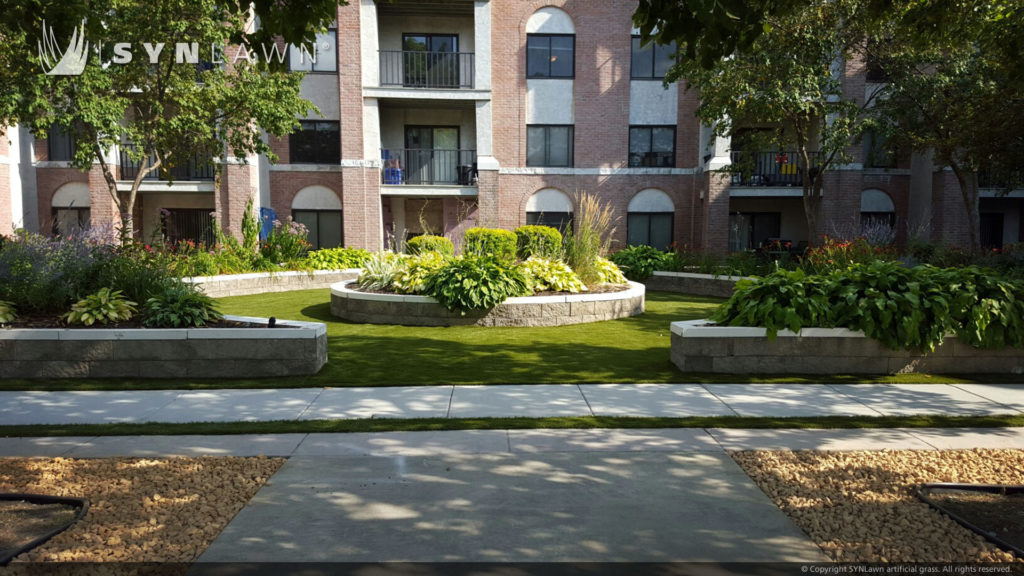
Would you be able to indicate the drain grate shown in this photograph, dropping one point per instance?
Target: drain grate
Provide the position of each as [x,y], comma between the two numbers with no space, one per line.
[28,520]
[994,511]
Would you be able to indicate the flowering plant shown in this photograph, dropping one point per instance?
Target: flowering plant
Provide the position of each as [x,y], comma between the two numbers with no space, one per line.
[286,241]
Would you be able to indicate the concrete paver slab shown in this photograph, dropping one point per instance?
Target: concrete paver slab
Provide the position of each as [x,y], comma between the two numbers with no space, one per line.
[657,400]
[40,446]
[967,438]
[909,399]
[165,446]
[405,443]
[787,400]
[512,507]
[385,402]
[518,400]
[237,405]
[1010,395]
[847,439]
[612,440]
[89,407]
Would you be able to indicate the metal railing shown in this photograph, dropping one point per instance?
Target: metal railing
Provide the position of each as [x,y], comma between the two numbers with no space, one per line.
[1000,179]
[198,167]
[414,69]
[414,166]
[770,168]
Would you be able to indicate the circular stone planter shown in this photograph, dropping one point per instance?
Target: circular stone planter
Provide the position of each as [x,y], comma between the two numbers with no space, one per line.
[349,304]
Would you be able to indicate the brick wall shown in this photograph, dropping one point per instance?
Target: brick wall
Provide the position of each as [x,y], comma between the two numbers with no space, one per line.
[950,216]
[235,187]
[102,209]
[715,214]
[361,207]
[285,185]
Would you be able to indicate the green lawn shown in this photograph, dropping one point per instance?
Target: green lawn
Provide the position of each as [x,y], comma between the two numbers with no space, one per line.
[621,351]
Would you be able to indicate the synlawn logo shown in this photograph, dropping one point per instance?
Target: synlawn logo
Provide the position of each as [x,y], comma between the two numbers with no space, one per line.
[67,62]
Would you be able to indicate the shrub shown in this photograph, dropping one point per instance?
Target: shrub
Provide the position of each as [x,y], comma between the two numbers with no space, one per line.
[7,314]
[136,270]
[379,271]
[475,283]
[430,243]
[591,238]
[286,241]
[490,242]
[543,274]
[336,258]
[103,306]
[639,262]
[542,241]
[180,306]
[412,276]
[48,274]
[608,272]
[836,254]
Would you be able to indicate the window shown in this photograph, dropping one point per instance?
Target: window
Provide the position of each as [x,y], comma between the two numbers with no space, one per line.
[179,224]
[69,220]
[325,51]
[650,229]
[430,60]
[652,146]
[315,143]
[550,55]
[652,61]
[60,144]
[549,145]
[560,220]
[325,227]
[877,154]
[751,230]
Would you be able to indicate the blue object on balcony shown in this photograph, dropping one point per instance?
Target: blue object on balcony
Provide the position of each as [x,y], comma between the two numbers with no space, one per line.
[267,217]
[393,176]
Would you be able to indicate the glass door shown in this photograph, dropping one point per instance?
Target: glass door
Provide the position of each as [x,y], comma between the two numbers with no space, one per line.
[432,154]
[430,60]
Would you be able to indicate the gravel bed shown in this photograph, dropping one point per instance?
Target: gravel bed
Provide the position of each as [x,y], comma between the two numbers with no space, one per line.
[860,506]
[140,509]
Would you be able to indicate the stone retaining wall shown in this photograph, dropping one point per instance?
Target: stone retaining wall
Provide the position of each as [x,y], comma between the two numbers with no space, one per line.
[258,283]
[698,347]
[695,284]
[298,349]
[369,308]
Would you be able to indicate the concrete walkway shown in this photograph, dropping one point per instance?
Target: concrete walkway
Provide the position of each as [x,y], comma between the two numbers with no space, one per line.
[657,400]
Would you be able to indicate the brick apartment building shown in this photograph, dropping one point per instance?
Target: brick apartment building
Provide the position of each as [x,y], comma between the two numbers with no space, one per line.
[438,115]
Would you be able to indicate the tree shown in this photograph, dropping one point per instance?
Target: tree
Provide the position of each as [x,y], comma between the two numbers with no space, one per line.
[959,95]
[160,108]
[787,81]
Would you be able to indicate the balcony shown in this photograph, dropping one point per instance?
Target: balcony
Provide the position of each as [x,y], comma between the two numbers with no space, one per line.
[769,168]
[199,167]
[417,69]
[428,167]
[1000,179]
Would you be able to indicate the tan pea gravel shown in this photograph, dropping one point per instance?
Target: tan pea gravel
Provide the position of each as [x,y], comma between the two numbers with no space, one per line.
[140,509]
[859,506]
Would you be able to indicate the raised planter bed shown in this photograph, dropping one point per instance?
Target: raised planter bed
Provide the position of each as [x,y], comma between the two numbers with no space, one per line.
[290,349]
[700,347]
[258,283]
[369,308]
[691,283]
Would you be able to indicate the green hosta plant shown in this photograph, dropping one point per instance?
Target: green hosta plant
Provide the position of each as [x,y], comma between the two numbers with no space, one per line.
[783,299]
[475,283]
[639,262]
[608,272]
[543,275]
[102,307]
[379,271]
[336,258]
[412,277]
[180,306]
[7,314]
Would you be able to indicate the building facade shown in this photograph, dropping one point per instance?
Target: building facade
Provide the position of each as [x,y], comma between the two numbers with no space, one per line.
[439,115]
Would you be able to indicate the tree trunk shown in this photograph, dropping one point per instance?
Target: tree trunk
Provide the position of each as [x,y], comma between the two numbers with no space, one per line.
[969,194]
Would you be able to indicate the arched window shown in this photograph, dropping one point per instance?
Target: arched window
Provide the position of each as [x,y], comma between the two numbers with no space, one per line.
[550,44]
[876,210]
[549,207]
[69,208]
[319,209]
[650,218]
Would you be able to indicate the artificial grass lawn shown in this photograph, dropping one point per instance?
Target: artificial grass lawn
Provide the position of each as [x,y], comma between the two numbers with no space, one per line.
[628,350]
[563,422]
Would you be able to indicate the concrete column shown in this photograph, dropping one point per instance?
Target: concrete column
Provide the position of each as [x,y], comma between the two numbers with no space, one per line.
[485,136]
[371,129]
[25,201]
[6,211]
[370,43]
[482,40]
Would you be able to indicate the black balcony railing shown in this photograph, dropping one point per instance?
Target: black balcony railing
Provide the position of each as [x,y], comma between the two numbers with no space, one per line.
[770,168]
[413,69]
[407,166]
[1000,179]
[198,167]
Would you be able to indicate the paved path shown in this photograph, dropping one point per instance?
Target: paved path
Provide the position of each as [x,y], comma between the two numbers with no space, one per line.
[659,400]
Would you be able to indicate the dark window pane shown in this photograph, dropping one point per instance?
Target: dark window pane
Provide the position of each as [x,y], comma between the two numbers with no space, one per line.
[560,220]
[195,224]
[60,143]
[642,61]
[661,230]
[637,226]
[560,146]
[562,56]
[538,54]
[414,43]
[663,139]
[664,58]
[330,229]
[535,145]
